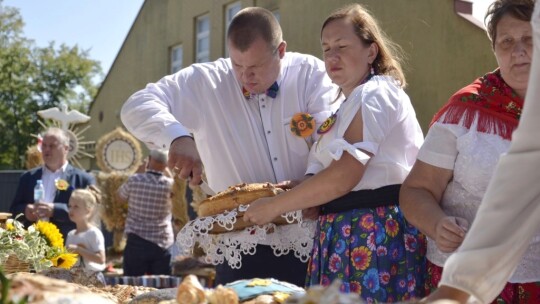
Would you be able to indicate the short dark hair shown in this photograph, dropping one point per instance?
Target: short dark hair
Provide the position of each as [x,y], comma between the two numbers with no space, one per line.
[519,9]
[252,23]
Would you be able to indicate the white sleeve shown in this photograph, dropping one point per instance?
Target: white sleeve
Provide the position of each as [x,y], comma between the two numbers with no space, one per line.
[148,113]
[509,215]
[383,106]
[377,106]
[440,146]
[339,145]
[97,240]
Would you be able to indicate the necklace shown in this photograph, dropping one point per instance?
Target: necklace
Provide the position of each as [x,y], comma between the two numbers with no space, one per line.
[330,121]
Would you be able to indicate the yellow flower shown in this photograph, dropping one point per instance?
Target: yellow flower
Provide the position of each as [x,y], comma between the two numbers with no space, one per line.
[51,233]
[9,225]
[61,184]
[65,260]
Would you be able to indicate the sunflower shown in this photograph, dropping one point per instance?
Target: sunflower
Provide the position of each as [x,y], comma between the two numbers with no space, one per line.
[51,234]
[65,260]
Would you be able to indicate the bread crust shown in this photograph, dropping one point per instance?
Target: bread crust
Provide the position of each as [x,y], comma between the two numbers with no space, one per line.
[234,196]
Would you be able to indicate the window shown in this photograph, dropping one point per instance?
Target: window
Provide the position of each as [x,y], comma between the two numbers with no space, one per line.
[230,11]
[177,52]
[202,45]
[472,10]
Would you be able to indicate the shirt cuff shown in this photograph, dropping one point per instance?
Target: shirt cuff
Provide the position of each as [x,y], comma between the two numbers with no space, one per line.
[169,134]
[437,159]
[314,168]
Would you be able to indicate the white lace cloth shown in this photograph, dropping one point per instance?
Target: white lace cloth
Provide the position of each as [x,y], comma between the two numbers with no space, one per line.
[230,246]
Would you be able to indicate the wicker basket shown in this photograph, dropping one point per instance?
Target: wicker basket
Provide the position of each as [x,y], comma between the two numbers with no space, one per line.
[13,264]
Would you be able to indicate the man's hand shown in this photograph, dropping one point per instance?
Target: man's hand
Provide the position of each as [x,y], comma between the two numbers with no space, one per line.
[44,210]
[184,159]
[30,212]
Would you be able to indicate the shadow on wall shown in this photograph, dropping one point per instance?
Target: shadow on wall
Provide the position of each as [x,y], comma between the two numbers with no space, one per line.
[9,179]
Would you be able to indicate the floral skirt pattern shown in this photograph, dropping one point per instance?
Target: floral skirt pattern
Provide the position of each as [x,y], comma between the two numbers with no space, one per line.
[374,252]
[513,293]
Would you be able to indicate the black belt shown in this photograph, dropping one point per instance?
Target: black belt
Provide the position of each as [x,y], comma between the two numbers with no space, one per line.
[384,196]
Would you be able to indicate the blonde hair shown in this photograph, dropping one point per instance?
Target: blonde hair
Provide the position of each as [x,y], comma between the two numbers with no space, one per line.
[390,55]
[90,197]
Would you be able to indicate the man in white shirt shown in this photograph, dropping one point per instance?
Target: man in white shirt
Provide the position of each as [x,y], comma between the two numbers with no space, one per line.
[509,215]
[239,111]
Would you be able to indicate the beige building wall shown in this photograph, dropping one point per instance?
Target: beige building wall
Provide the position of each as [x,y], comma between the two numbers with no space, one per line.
[444,51]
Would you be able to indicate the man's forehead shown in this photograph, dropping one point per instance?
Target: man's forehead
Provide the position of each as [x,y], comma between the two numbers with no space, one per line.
[50,139]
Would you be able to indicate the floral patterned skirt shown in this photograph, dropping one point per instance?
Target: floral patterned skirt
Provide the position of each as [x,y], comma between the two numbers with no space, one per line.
[374,252]
[513,293]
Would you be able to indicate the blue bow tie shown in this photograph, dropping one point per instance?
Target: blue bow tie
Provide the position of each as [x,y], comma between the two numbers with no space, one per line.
[271,92]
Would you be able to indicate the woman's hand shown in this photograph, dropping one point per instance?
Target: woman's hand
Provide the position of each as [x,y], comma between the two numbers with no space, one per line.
[450,232]
[311,213]
[261,211]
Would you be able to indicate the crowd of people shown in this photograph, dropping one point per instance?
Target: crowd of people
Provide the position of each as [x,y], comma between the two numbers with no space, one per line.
[397,215]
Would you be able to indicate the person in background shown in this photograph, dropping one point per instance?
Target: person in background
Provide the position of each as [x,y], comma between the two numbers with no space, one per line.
[59,180]
[86,240]
[365,152]
[239,111]
[148,223]
[508,218]
[468,135]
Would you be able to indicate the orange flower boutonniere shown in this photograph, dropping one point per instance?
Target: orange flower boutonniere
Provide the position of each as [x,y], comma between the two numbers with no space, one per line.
[61,184]
[302,124]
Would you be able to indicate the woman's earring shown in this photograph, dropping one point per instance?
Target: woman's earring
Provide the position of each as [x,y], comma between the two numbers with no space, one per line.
[372,70]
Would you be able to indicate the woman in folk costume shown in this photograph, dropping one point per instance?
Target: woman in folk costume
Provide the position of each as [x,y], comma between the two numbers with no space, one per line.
[467,136]
[363,155]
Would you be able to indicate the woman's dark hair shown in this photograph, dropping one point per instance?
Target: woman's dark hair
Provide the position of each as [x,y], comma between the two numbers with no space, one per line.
[519,9]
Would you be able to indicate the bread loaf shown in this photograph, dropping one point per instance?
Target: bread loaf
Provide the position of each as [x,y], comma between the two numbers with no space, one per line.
[234,196]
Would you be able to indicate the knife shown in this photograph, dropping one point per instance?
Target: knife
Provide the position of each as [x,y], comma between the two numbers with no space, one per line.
[206,189]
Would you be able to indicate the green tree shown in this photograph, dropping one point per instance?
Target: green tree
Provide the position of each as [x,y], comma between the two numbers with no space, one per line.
[35,78]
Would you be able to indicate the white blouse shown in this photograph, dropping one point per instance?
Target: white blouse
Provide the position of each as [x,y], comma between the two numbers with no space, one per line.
[391,133]
[473,157]
[93,240]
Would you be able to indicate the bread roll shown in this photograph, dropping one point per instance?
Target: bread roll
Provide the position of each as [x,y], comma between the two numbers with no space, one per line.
[190,291]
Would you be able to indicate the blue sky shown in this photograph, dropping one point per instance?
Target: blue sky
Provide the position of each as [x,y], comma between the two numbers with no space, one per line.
[99,26]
